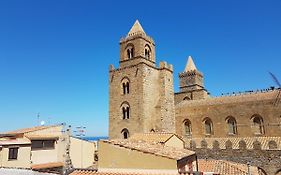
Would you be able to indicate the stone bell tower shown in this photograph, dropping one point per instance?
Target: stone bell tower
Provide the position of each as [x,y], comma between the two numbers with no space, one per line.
[141,95]
[191,83]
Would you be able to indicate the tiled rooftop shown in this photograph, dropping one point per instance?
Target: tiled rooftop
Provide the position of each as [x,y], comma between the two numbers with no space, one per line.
[94,172]
[27,130]
[4,171]
[152,137]
[152,148]
[223,167]
[47,165]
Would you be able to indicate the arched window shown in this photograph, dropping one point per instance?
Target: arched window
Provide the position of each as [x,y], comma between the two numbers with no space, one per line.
[272,144]
[147,52]
[125,133]
[232,125]
[187,127]
[125,108]
[208,126]
[125,86]
[130,51]
[242,144]
[257,124]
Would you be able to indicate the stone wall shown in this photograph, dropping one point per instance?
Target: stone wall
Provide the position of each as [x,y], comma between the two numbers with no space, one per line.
[241,107]
[151,100]
[269,161]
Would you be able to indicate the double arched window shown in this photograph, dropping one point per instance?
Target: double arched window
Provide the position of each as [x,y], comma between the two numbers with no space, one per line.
[125,85]
[130,51]
[208,124]
[125,133]
[257,124]
[125,110]
[232,125]
[187,127]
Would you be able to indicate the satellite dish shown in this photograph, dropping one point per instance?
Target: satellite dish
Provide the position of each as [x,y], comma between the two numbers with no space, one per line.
[42,123]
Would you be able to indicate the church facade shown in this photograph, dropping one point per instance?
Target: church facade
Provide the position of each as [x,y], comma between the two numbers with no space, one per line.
[142,100]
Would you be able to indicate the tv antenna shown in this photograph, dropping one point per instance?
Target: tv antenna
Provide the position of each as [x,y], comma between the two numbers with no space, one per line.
[80,131]
[278,97]
[38,118]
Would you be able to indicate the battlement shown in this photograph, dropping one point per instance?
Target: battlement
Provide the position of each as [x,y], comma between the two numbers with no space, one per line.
[136,35]
[111,67]
[165,65]
[190,73]
[242,98]
[272,88]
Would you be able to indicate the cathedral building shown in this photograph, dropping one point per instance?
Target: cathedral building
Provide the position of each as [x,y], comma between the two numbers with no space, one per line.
[142,100]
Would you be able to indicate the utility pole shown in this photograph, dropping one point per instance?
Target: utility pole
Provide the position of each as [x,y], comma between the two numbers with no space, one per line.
[67,159]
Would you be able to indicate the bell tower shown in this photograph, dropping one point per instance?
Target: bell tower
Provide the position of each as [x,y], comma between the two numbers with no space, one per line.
[191,83]
[141,95]
[137,47]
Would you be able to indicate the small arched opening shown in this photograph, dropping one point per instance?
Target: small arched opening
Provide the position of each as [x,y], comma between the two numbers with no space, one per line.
[187,127]
[125,133]
[147,52]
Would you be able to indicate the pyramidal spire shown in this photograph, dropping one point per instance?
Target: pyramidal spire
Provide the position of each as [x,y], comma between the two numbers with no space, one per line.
[190,66]
[137,28]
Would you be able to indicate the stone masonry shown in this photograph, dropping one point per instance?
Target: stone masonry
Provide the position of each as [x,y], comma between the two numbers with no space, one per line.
[142,100]
[150,99]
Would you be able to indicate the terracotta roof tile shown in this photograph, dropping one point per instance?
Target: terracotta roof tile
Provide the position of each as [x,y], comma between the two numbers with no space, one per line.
[152,137]
[223,167]
[152,148]
[27,130]
[47,165]
[94,172]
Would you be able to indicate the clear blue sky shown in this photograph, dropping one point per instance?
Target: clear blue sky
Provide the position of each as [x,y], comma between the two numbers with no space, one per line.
[54,54]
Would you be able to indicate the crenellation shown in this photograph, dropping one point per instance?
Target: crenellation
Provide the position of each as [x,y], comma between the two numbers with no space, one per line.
[170,67]
[111,67]
[163,65]
[135,36]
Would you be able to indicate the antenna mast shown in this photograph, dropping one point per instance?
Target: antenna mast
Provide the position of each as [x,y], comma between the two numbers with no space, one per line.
[278,97]
[38,118]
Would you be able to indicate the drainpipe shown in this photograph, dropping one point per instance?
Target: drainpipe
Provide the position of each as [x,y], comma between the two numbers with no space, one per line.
[196,163]
[1,148]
